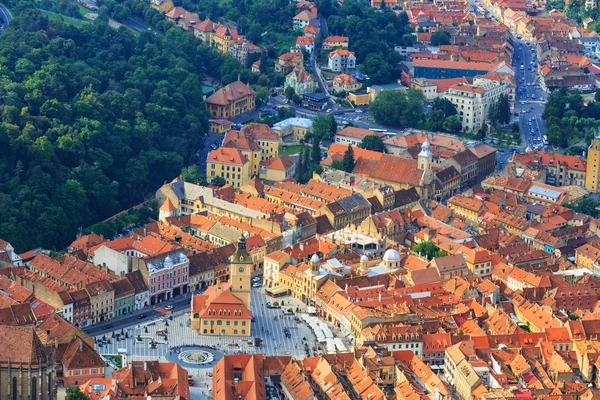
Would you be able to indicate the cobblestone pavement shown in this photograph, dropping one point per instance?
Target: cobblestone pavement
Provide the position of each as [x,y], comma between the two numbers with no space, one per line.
[178,333]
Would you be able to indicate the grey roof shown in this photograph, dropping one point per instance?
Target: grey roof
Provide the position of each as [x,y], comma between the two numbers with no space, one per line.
[354,202]
[178,187]
[405,197]
[225,232]
[544,191]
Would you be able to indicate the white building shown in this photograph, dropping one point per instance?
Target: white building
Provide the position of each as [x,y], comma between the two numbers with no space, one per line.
[342,60]
[7,248]
[473,102]
[67,310]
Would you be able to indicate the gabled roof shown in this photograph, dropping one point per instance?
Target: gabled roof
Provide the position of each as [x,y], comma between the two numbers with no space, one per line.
[230,93]
[20,345]
[227,155]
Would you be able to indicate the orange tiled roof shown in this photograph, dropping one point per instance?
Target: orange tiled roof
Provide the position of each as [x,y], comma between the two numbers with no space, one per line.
[230,94]
[227,155]
[281,163]
[341,53]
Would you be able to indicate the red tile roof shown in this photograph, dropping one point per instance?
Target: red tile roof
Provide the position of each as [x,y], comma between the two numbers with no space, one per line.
[227,155]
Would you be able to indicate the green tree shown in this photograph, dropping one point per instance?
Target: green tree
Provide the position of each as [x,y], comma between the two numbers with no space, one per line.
[372,142]
[503,110]
[193,174]
[337,164]
[289,92]
[482,132]
[333,125]
[218,181]
[445,106]
[315,151]
[321,127]
[436,120]
[388,107]
[597,96]
[73,393]
[348,160]
[587,206]
[440,38]
[452,124]
[429,250]
[262,94]
[306,173]
[301,167]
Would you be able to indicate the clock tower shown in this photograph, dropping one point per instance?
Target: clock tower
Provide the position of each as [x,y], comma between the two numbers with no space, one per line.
[240,272]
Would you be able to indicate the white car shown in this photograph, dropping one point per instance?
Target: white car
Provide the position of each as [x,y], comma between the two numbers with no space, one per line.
[328,110]
[168,308]
[256,285]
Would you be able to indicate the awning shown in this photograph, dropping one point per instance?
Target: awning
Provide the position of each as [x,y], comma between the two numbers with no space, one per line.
[276,290]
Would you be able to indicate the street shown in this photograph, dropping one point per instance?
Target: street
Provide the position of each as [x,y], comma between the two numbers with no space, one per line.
[6,16]
[530,98]
[179,303]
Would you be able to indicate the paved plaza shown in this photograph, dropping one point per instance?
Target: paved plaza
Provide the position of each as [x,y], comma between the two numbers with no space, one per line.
[170,334]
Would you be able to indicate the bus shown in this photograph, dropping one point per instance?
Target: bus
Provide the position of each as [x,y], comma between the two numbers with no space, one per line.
[545,140]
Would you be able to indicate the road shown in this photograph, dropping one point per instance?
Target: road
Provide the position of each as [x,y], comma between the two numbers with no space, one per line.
[209,140]
[530,97]
[6,16]
[179,303]
[136,25]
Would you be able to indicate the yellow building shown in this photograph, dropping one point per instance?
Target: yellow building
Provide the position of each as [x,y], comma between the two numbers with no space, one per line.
[345,83]
[277,169]
[220,126]
[295,127]
[266,139]
[467,207]
[592,176]
[224,310]
[257,142]
[230,164]
[359,99]
[231,100]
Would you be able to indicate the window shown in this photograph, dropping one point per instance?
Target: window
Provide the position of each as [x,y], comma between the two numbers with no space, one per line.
[14,388]
[243,331]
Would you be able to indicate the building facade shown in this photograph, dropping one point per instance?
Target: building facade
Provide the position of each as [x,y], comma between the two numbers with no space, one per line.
[229,164]
[231,100]
[592,176]
[29,370]
[168,275]
[473,102]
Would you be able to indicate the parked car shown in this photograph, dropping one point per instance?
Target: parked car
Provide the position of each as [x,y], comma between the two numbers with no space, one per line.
[141,316]
[168,308]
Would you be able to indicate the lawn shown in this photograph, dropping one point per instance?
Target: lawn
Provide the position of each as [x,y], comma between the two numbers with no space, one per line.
[68,20]
[290,150]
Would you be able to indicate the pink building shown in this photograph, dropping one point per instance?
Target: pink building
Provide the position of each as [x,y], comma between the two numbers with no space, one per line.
[168,275]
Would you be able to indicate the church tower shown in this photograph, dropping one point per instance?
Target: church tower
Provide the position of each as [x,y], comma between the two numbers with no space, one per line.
[425,160]
[241,273]
[592,176]
[425,156]
[166,210]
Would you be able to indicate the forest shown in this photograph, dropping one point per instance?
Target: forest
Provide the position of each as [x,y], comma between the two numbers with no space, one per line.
[92,121]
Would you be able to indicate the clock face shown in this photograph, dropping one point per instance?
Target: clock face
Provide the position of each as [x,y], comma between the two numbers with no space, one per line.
[241,269]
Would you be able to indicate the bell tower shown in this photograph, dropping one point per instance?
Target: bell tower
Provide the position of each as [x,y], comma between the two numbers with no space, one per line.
[240,272]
